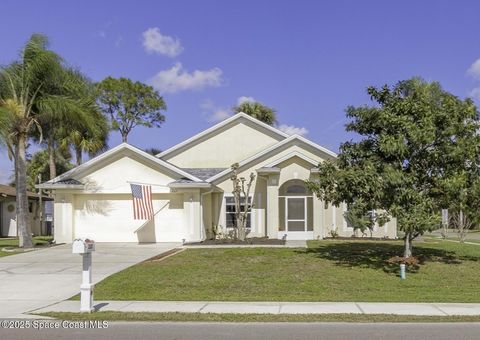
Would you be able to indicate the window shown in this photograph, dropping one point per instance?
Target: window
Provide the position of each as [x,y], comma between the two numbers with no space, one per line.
[230,211]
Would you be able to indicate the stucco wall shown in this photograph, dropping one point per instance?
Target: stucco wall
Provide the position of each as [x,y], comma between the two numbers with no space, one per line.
[224,148]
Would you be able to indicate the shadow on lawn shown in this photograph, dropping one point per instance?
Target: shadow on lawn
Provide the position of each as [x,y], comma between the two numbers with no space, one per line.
[375,255]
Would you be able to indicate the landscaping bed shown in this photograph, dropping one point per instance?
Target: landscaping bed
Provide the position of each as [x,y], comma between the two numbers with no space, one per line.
[326,271]
[250,240]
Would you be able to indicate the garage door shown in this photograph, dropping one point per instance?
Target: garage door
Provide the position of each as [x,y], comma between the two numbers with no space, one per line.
[109,218]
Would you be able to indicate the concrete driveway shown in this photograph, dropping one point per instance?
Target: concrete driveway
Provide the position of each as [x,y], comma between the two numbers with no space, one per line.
[39,278]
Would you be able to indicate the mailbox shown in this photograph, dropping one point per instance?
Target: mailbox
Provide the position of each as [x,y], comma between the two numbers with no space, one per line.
[83,246]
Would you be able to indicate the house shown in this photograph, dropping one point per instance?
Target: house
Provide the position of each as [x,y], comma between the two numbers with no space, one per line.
[191,189]
[8,212]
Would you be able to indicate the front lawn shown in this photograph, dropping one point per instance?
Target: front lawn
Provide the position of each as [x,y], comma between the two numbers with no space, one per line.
[326,271]
[12,244]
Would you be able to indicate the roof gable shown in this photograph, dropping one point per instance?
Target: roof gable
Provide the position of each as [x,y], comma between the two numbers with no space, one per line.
[292,140]
[240,118]
[112,155]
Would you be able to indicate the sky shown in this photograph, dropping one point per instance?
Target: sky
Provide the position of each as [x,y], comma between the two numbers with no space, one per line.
[307,59]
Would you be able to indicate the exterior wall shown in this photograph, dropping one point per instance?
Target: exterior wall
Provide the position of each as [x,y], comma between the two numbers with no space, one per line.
[63,216]
[109,217]
[325,219]
[104,210]
[224,148]
[8,219]
[340,225]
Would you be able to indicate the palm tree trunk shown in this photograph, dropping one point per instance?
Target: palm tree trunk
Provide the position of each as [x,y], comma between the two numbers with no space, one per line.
[78,155]
[23,228]
[51,158]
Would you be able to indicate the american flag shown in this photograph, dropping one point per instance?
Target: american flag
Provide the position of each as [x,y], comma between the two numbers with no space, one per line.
[142,202]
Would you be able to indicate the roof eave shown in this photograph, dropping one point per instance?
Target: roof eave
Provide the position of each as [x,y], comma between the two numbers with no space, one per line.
[59,186]
[189,185]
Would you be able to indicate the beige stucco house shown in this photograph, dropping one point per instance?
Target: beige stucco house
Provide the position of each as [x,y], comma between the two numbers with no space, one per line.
[192,189]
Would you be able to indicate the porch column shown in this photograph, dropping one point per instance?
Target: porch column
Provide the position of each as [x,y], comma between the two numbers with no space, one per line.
[272,206]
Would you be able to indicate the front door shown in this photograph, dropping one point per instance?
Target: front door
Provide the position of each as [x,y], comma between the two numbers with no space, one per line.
[296,218]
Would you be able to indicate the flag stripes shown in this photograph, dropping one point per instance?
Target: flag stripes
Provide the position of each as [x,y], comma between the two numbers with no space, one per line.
[142,202]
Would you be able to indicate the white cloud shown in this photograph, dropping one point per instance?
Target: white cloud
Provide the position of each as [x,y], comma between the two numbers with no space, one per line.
[474,69]
[119,41]
[293,130]
[156,42]
[244,99]
[177,79]
[214,113]
[475,93]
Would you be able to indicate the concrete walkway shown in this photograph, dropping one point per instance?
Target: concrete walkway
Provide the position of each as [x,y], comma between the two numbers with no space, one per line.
[39,278]
[435,309]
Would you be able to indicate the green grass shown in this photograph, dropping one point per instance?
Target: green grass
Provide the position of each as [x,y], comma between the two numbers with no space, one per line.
[326,271]
[451,238]
[38,241]
[211,317]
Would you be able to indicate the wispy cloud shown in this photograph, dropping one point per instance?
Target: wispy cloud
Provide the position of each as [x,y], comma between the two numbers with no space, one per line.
[177,79]
[475,93]
[244,99]
[474,69]
[213,112]
[156,42]
[293,130]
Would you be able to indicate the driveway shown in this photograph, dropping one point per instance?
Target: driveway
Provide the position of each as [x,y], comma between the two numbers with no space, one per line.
[39,278]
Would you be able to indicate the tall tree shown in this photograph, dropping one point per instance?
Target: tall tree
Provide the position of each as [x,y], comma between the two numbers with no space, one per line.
[257,110]
[410,150]
[38,164]
[20,90]
[28,91]
[153,151]
[75,115]
[129,104]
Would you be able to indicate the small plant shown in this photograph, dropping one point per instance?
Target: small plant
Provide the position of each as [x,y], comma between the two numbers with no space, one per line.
[333,233]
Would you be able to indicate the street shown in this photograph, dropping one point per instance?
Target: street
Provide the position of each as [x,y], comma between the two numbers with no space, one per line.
[277,331]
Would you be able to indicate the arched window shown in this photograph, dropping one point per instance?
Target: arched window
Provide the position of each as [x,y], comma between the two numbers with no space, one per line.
[294,187]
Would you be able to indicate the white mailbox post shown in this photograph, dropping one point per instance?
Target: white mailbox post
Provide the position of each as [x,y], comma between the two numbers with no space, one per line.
[85,247]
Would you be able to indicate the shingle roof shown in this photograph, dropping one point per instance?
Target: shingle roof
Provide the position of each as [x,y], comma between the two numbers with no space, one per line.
[69,181]
[203,173]
[183,180]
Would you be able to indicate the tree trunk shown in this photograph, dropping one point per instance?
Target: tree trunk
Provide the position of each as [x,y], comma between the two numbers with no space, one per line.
[51,158]
[241,228]
[78,155]
[124,137]
[408,245]
[23,228]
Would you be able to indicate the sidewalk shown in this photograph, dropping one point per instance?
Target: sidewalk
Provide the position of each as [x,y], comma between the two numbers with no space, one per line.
[436,309]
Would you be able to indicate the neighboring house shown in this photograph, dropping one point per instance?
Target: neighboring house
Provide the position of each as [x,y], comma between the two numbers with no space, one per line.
[192,189]
[8,212]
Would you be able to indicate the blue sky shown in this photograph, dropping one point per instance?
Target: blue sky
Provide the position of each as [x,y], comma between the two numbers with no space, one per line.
[307,59]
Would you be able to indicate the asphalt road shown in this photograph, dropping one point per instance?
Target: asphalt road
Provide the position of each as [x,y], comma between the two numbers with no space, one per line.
[277,331]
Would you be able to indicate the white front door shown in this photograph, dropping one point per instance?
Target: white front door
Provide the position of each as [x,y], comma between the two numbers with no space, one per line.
[296,219]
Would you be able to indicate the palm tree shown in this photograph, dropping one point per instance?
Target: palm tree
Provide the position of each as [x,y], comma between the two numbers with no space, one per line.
[257,110]
[88,138]
[153,151]
[32,90]
[76,119]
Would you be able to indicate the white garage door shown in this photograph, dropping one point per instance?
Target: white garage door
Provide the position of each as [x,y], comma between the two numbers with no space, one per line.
[109,218]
